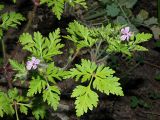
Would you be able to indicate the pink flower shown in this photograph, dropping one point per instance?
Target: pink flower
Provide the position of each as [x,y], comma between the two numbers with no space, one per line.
[126,34]
[32,63]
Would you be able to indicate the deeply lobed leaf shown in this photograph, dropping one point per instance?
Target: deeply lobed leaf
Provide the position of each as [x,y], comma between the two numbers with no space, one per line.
[36,86]
[85,99]
[42,47]
[11,19]
[52,96]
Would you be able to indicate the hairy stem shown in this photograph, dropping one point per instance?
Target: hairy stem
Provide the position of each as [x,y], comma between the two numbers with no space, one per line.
[15,107]
[27,105]
[97,48]
[3,49]
[71,60]
[123,12]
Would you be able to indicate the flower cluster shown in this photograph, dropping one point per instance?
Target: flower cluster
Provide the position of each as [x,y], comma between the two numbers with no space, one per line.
[125,34]
[32,64]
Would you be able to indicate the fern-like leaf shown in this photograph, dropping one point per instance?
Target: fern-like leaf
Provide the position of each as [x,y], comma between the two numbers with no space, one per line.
[142,37]
[20,68]
[40,46]
[100,77]
[53,43]
[11,19]
[83,71]
[80,35]
[52,96]
[53,72]
[5,105]
[80,2]
[108,85]
[36,86]
[57,6]
[85,99]
[39,112]
[23,109]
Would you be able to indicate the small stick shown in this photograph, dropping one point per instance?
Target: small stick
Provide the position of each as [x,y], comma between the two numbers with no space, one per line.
[151,113]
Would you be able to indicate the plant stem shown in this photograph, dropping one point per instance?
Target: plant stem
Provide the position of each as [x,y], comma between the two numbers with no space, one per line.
[129,22]
[27,105]
[70,61]
[15,106]
[3,49]
[102,59]
[97,48]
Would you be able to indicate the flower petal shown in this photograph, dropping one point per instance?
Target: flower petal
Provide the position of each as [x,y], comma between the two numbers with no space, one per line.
[33,59]
[126,29]
[123,37]
[34,67]
[122,31]
[37,61]
[29,65]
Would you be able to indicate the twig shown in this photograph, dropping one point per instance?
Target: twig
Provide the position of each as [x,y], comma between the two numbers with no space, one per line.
[148,63]
[130,70]
[151,113]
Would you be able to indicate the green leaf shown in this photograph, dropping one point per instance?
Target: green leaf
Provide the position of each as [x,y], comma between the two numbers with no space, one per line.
[80,2]
[36,86]
[130,3]
[139,48]
[142,15]
[142,37]
[52,96]
[39,112]
[151,21]
[115,45]
[42,47]
[53,44]
[13,94]
[112,10]
[80,35]
[1,7]
[57,6]
[121,20]
[5,105]
[23,109]
[19,68]
[83,71]
[103,80]
[14,1]
[134,102]
[53,72]
[156,31]
[108,85]
[11,19]
[85,101]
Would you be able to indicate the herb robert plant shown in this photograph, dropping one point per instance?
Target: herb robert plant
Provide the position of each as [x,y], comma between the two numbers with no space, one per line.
[42,73]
